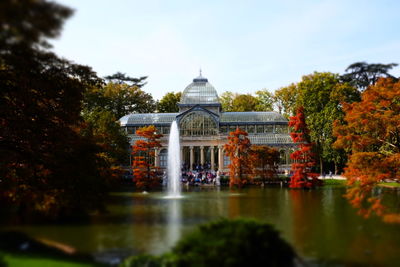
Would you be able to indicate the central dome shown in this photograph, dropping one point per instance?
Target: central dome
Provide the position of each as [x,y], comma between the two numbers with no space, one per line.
[200,91]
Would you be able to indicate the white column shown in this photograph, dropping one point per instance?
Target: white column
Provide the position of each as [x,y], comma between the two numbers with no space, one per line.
[212,157]
[157,157]
[220,158]
[181,154]
[202,155]
[191,158]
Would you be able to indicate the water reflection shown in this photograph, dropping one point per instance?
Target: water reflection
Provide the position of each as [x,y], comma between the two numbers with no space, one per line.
[320,224]
[174,221]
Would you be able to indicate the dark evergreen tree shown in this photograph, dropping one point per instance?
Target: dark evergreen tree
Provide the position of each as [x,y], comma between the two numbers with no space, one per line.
[362,74]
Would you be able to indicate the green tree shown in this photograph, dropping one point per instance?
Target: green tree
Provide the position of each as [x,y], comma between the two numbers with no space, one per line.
[169,103]
[46,165]
[321,95]
[122,78]
[285,100]
[105,130]
[226,100]
[362,74]
[119,98]
[265,100]
[245,102]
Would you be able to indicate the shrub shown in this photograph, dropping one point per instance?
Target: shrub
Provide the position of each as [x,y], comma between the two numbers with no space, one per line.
[240,242]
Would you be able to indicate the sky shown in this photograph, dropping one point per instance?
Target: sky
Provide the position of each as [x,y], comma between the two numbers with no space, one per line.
[240,46]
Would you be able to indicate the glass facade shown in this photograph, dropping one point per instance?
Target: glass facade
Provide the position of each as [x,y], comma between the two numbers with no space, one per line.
[163,158]
[198,123]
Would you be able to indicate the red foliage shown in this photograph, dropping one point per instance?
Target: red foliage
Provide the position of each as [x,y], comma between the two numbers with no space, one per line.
[371,133]
[303,158]
[238,150]
[144,171]
[265,161]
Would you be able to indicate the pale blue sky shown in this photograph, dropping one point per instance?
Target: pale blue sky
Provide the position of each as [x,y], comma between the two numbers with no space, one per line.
[241,46]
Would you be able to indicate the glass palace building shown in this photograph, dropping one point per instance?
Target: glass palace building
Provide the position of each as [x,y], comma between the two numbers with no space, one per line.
[204,128]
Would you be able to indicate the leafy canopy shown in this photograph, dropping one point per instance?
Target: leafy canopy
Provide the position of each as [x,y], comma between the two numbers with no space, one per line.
[47,166]
[239,152]
[362,74]
[370,132]
[303,157]
[144,170]
[169,103]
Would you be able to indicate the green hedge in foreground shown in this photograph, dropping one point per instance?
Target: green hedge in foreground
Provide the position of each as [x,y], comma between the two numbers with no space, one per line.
[240,242]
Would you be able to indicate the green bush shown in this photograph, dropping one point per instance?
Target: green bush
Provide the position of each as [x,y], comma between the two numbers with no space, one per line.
[144,261]
[240,242]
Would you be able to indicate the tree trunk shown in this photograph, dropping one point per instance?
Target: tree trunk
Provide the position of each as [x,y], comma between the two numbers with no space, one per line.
[321,165]
[336,168]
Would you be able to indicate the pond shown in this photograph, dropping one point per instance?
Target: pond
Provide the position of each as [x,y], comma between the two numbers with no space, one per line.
[320,224]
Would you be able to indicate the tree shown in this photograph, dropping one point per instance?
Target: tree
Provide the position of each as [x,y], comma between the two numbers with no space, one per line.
[46,165]
[370,132]
[239,152]
[303,157]
[320,95]
[144,171]
[169,103]
[244,102]
[362,74]
[26,25]
[104,129]
[265,100]
[285,100]
[265,161]
[226,100]
[232,102]
[119,98]
[122,78]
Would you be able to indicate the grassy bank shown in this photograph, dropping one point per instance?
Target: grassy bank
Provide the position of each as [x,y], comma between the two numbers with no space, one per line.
[334,182]
[390,185]
[11,259]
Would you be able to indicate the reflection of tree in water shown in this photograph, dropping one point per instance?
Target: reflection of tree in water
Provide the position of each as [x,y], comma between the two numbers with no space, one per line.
[233,204]
[305,223]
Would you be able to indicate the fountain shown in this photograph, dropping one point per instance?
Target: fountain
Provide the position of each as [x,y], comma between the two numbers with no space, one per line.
[174,163]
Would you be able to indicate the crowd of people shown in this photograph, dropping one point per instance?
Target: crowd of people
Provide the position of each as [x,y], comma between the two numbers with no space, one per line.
[201,177]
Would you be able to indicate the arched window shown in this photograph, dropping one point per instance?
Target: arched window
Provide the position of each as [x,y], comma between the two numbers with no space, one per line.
[198,123]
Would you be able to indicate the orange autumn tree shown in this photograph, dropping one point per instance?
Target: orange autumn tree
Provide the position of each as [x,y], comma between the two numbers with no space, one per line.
[303,157]
[370,132]
[265,161]
[239,152]
[144,171]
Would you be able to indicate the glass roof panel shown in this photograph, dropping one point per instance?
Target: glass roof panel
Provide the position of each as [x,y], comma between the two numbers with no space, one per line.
[252,117]
[148,118]
[200,91]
